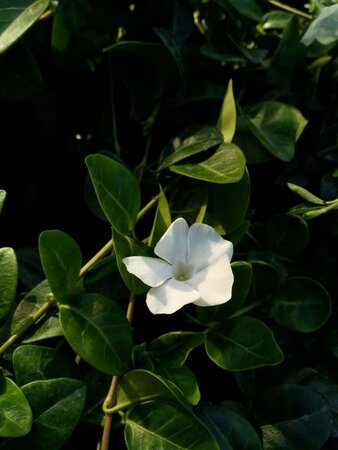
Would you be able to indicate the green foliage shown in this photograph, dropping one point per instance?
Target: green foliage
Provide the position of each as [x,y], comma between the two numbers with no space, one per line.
[227,165]
[56,405]
[17,17]
[302,304]
[16,414]
[221,112]
[61,261]
[243,343]
[98,331]
[117,191]
[8,281]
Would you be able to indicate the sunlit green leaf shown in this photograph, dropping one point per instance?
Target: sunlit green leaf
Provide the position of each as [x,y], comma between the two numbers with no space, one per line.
[275,19]
[148,427]
[302,304]
[2,198]
[98,331]
[117,191]
[276,125]
[192,143]
[162,220]
[16,17]
[15,412]
[61,260]
[8,280]
[57,406]
[243,343]
[226,122]
[227,165]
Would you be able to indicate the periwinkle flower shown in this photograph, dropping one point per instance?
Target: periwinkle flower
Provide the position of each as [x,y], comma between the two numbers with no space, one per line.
[193,267]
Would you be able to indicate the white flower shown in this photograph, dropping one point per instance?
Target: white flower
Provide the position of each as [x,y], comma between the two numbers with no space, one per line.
[324,28]
[194,268]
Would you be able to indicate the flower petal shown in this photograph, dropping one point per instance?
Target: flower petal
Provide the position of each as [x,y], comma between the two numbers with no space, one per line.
[206,246]
[173,244]
[213,283]
[152,271]
[170,297]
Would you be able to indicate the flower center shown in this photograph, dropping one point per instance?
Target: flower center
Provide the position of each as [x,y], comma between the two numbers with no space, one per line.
[182,271]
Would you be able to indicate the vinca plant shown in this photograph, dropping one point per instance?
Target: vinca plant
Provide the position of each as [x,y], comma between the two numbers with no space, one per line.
[168,201]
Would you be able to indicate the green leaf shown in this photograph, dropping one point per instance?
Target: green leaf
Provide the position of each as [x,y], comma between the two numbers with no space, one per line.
[28,306]
[183,378]
[162,220]
[33,362]
[276,125]
[276,19]
[148,427]
[98,331]
[231,430]
[2,198]
[57,406]
[61,261]
[126,246]
[15,412]
[16,17]
[8,281]
[265,280]
[302,304]
[226,122]
[227,165]
[294,417]
[117,191]
[243,343]
[229,203]
[141,385]
[192,143]
[286,57]
[242,271]
[173,45]
[97,387]
[173,348]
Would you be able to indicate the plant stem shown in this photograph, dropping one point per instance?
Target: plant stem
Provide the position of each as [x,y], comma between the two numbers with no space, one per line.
[35,317]
[111,396]
[290,9]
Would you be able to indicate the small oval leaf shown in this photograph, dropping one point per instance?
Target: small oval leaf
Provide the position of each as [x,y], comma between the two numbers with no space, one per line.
[61,261]
[243,343]
[57,406]
[226,122]
[227,165]
[98,331]
[8,281]
[15,412]
[302,304]
[117,191]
